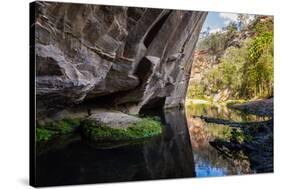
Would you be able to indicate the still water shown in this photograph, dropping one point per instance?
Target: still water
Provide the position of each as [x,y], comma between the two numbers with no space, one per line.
[182,150]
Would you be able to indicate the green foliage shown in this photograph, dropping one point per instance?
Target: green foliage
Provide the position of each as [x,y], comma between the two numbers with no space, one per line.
[261,44]
[258,69]
[262,27]
[63,126]
[245,72]
[218,41]
[49,130]
[213,77]
[231,28]
[98,132]
[213,43]
[227,75]
[196,90]
[43,134]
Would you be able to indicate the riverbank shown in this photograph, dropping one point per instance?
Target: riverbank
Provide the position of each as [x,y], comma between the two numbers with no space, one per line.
[262,107]
[214,103]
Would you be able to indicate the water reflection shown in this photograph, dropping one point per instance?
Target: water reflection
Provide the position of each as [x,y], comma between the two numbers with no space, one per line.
[222,112]
[208,161]
[167,156]
[182,150]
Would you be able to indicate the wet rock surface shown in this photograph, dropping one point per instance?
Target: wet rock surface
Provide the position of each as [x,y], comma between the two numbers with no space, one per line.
[128,58]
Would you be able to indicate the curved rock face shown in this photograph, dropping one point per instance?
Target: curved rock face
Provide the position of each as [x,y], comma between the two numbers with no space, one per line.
[131,58]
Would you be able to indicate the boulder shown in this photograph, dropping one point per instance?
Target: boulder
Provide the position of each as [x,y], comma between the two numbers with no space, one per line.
[113,126]
[113,119]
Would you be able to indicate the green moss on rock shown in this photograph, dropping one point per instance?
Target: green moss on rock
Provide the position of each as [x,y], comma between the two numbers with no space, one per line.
[96,131]
[43,134]
[47,131]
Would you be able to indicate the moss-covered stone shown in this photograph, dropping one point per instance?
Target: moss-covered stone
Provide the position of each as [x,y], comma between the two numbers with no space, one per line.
[43,134]
[47,131]
[97,131]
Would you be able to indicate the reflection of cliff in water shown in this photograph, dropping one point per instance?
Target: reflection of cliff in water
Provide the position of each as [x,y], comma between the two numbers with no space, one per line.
[208,161]
[166,156]
[179,147]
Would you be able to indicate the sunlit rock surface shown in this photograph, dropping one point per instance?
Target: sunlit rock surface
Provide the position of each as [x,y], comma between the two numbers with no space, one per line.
[128,58]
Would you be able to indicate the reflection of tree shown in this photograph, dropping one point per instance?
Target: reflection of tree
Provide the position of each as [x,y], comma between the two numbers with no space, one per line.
[208,157]
[221,112]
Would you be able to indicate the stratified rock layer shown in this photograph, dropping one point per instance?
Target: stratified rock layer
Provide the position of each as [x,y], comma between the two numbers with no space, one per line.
[129,58]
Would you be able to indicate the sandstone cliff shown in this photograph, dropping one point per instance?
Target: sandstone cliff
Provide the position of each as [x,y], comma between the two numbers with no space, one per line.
[128,58]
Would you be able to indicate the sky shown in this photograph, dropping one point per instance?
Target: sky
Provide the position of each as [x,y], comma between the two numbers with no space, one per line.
[216,21]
